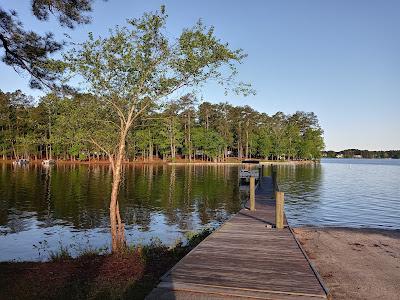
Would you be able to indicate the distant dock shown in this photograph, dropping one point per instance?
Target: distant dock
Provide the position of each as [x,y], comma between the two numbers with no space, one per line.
[246,258]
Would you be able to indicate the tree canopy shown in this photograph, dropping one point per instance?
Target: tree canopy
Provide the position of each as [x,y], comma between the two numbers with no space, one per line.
[357,153]
[178,129]
[30,52]
[135,69]
[129,105]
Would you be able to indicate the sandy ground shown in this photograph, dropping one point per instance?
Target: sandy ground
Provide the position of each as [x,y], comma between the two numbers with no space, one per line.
[355,263]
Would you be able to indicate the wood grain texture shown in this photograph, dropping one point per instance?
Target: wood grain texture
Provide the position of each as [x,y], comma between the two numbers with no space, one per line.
[244,259]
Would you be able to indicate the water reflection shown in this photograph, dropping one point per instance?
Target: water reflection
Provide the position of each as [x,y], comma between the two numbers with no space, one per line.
[352,192]
[301,183]
[69,203]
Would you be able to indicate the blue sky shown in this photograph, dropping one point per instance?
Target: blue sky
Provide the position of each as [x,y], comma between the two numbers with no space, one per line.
[340,59]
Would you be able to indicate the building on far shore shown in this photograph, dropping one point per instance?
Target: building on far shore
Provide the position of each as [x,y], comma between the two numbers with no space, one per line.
[339,155]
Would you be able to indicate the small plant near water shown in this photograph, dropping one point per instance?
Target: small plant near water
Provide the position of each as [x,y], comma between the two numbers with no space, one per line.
[95,273]
[60,255]
[150,250]
[194,238]
[155,249]
[91,251]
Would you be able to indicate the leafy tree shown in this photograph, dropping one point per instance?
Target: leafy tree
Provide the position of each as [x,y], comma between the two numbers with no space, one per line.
[208,142]
[187,104]
[62,127]
[28,51]
[293,139]
[15,121]
[223,127]
[279,142]
[213,145]
[137,66]
[171,119]
[312,144]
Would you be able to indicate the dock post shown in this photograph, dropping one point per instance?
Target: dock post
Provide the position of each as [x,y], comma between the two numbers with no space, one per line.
[252,193]
[273,175]
[279,198]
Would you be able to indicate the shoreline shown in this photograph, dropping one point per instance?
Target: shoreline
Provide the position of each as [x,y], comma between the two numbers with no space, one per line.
[128,275]
[176,163]
[355,263]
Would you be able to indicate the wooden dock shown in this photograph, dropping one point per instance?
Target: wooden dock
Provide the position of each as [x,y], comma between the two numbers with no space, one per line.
[246,258]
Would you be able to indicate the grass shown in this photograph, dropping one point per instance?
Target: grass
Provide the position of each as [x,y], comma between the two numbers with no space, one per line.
[194,238]
[60,255]
[93,274]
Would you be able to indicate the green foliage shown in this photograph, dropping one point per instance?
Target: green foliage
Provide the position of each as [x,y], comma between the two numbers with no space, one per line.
[351,153]
[194,238]
[133,70]
[30,51]
[60,255]
[178,128]
[127,78]
[91,252]
[208,142]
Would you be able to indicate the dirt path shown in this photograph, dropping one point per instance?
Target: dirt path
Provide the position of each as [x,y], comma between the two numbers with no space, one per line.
[355,263]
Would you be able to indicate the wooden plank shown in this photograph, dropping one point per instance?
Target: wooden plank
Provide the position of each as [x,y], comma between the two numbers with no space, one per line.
[279,202]
[218,292]
[245,259]
[252,193]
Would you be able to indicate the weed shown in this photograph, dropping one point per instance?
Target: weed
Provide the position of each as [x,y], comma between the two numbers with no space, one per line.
[60,255]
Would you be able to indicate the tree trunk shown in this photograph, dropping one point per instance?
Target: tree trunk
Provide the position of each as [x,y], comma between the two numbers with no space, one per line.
[117,227]
[171,143]
[15,152]
[151,150]
[189,141]
[247,143]
[207,121]
[186,140]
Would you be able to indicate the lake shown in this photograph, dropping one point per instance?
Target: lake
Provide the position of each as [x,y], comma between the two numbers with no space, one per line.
[354,193]
[43,208]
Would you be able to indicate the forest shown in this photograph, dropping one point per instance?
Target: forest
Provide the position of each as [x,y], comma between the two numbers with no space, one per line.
[351,153]
[63,128]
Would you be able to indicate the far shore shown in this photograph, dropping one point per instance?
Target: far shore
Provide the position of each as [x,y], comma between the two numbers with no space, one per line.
[355,263]
[233,161]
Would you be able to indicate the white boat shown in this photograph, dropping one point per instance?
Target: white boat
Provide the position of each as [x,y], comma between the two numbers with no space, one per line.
[20,162]
[48,162]
[245,174]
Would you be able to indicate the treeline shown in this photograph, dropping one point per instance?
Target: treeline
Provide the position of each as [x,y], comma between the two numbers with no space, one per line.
[67,127]
[351,153]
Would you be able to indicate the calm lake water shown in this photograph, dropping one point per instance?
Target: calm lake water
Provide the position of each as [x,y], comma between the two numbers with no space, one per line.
[343,192]
[43,208]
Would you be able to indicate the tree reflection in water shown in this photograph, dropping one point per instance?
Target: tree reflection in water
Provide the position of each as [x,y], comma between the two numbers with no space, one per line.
[302,185]
[155,200]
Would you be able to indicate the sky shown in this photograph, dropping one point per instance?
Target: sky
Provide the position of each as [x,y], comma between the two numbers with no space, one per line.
[339,59]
